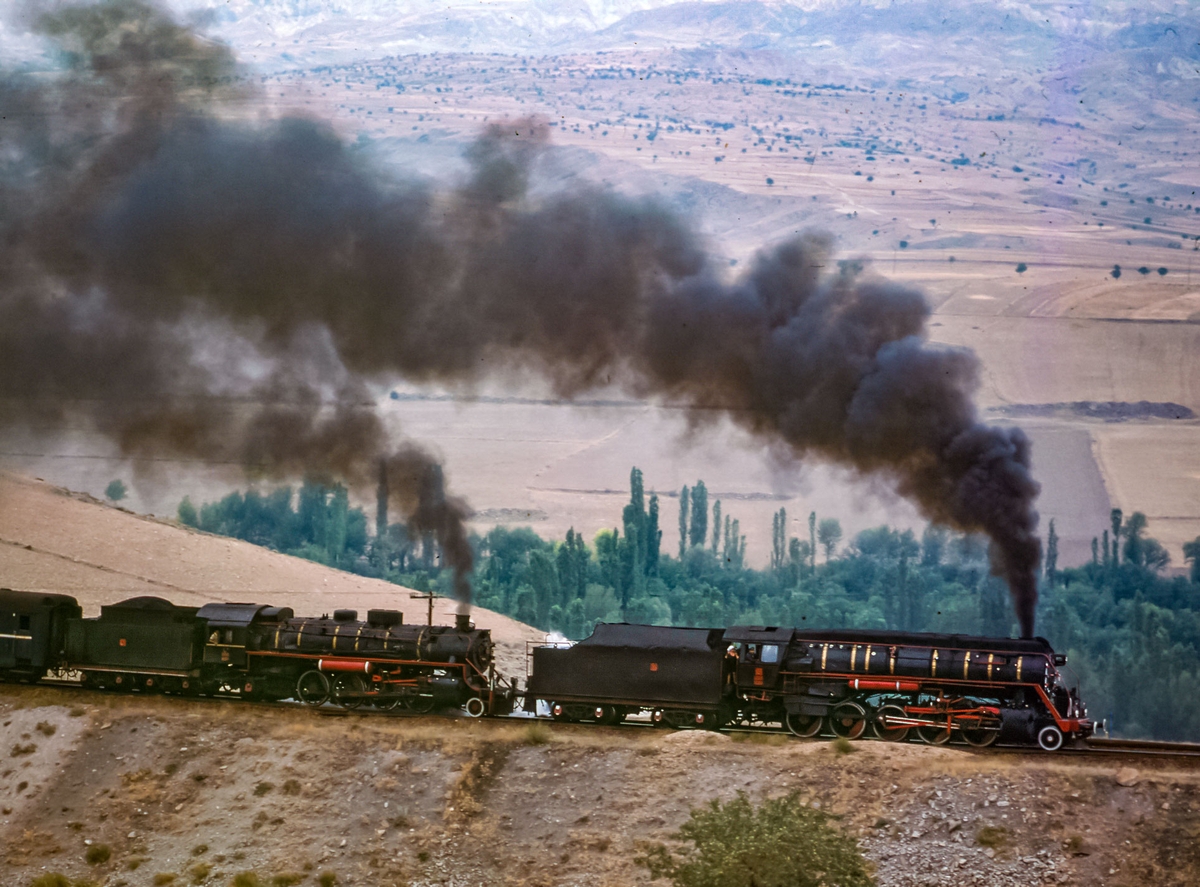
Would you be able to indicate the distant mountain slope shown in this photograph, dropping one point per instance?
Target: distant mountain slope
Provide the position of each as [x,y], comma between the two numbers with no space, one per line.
[307,31]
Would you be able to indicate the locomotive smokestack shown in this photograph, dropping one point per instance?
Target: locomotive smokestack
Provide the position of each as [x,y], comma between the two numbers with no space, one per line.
[198,259]
[462,622]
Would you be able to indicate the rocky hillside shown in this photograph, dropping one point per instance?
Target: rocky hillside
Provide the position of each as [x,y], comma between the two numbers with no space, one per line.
[139,791]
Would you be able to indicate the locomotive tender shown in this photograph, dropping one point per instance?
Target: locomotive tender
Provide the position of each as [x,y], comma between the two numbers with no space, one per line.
[843,682]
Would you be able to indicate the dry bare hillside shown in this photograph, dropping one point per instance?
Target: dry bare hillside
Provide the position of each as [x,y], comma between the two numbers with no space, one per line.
[57,541]
[194,792]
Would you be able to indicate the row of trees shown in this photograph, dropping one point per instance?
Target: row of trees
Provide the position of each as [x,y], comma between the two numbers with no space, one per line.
[1132,634]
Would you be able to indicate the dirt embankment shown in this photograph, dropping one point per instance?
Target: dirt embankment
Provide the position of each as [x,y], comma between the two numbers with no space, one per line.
[204,790]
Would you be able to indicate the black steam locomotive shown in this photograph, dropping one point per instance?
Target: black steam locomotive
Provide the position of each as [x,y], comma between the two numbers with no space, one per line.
[251,650]
[837,682]
[844,683]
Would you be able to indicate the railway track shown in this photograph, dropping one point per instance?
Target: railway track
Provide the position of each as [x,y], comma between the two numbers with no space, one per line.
[1104,746]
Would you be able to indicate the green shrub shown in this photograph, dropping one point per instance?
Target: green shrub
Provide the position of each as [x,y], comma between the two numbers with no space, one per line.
[98,853]
[245,879]
[286,879]
[291,787]
[199,850]
[164,878]
[46,728]
[843,746]
[537,733]
[778,844]
[327,879]
[262,788]
[200,872]
[51,879]
[992,836]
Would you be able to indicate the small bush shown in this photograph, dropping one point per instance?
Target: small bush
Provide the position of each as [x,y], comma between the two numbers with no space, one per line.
[291,787]
[77,712]
[245,879]
[992,836]
[536,733]
[51,879]
[842,746]
[18,750]
[779,843]
[199,850]
[1022,267]
[327,879]
[262,788]
[163,878]
[98,854]
[46,728]
[200,872]
[760,738]
[134,863]
[286,879]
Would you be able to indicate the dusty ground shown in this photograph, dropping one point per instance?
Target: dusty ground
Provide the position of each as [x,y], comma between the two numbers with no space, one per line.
[55,541]
[206,789]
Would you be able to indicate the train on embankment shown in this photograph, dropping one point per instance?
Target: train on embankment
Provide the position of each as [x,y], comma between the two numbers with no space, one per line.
[848,683]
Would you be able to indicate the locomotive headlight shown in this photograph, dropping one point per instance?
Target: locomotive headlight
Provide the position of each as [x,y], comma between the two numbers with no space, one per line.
[699,718]
[557,710]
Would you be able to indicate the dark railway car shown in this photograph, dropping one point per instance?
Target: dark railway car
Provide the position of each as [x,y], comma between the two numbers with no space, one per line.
[141,643]
[33,632]
[682,676]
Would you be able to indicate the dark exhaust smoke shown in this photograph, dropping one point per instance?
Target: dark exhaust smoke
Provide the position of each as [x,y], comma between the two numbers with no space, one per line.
[162,259]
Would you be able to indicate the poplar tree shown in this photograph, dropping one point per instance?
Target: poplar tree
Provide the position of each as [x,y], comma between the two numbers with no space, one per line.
[699,533]
[653,538]
[683,522]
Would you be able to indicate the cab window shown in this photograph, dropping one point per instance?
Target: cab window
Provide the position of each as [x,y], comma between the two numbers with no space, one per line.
[770,654]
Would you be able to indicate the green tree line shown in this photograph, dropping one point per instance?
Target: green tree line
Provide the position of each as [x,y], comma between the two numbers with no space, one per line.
[1132,634]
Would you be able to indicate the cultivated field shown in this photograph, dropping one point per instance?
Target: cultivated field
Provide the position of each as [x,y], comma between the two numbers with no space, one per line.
[1005,172]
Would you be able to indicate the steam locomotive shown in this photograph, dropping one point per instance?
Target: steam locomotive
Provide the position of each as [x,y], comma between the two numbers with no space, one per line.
[840,682]
[251,650]
[843,682]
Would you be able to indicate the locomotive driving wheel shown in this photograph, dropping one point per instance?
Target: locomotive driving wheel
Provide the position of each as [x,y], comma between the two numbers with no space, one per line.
[804,726]
[421,703]
[348,690]
[981,737]
[312,688]
[385,702]
[934,734]
[848,720]
[885,720]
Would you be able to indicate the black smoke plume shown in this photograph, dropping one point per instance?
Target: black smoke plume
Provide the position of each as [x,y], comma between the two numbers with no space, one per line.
[165,250]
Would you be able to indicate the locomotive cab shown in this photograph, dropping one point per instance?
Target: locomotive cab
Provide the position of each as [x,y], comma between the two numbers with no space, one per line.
[761,651]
